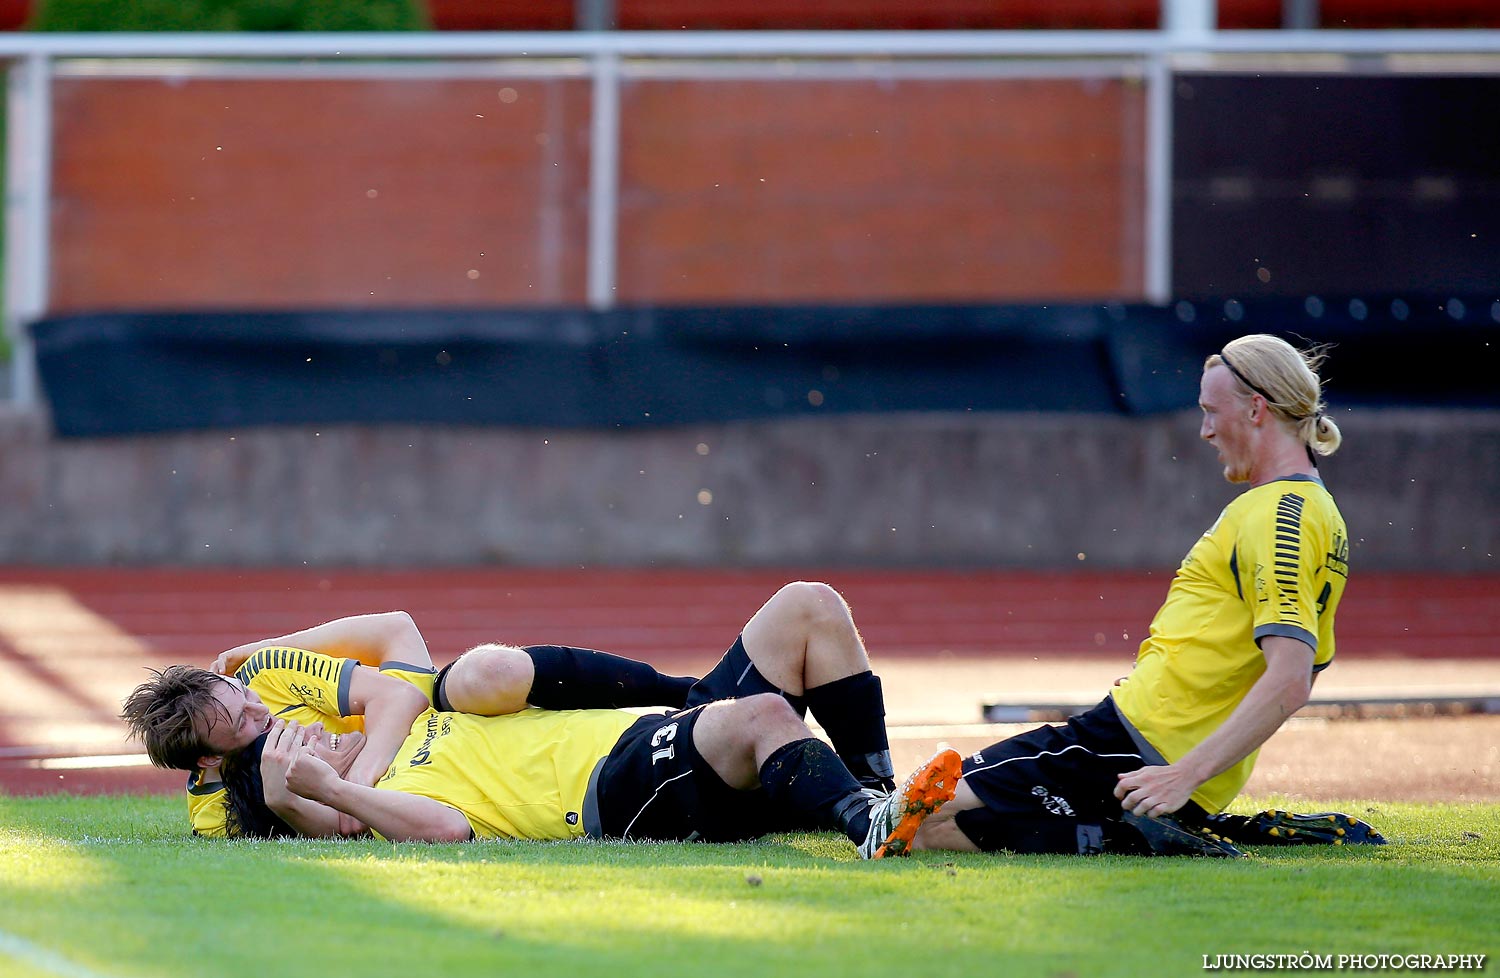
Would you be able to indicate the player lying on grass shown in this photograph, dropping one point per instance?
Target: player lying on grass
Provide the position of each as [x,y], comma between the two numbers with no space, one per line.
[735,763]
[189,716]
[1247,623]
[190,719]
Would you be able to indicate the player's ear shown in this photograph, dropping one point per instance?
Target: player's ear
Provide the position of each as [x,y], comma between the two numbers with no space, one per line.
[211,762]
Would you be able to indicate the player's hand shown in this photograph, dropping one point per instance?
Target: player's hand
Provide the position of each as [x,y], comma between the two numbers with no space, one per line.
[309,775]
[284,737]
[1157,789]
[227,663]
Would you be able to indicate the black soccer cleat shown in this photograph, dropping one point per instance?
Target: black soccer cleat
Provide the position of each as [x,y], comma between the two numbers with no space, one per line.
[1168,837]
[1278,828]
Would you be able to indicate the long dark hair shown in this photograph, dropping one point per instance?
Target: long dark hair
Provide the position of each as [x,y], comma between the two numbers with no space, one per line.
[246,812]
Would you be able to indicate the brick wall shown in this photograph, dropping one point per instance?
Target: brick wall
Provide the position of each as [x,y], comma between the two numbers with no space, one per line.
[259,193]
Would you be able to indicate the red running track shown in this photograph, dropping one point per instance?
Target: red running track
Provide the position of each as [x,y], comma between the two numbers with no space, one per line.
[72,642]
[687,615]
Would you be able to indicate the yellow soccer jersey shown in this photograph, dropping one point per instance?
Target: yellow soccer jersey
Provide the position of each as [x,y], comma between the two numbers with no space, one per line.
[1274,563]
[295,684]
[207,806]
[520,776]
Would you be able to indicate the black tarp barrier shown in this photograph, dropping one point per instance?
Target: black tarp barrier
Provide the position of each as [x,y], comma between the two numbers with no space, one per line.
[1289,182]
[129,373]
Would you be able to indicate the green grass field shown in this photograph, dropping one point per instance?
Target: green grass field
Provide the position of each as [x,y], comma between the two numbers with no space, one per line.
[109,886]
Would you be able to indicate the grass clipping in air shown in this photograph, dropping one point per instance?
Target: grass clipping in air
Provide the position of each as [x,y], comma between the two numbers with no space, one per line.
[111,886]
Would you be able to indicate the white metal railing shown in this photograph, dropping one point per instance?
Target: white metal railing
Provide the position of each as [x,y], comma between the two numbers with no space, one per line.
[673,44]
[606,56]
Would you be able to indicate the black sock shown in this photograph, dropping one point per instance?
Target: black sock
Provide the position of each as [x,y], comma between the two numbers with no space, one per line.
[993,832]
[583,679]
[807,778]
[852,712]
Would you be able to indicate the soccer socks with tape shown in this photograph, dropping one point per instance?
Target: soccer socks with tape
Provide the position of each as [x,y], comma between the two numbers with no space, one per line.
[852,712]
[583,679]
[808,778]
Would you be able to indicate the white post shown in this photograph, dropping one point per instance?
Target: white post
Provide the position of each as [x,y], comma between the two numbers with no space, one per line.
[593,15]
[1158,262]
[28,214]
[1300,15]
[1186,19]
[1183,22]
[604,180]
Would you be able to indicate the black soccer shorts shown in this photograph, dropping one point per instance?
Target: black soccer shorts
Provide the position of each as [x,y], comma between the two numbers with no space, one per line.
[735,677]
[1052,789]
[655,785]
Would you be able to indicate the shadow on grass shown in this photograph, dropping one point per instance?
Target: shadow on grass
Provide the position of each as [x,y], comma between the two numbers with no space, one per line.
[150,901]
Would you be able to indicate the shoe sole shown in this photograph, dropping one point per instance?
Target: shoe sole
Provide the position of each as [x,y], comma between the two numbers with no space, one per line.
[928,789]
[1328,828]
[1167,837]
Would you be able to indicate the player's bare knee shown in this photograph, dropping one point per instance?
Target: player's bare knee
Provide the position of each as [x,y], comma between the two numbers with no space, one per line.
[740,724]
[768,715]
[768,708]
[725,736]
[815,605]
[490,679]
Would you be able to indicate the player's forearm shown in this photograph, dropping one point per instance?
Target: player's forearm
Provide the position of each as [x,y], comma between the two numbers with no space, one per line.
[1279,693]
[375,639]
[312,819]
[396,816]
[375,759]
[388,720]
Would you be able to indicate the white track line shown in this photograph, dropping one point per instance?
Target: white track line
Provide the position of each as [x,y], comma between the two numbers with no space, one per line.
[931,731]
[39,957]
[90,762]
[1000,731]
